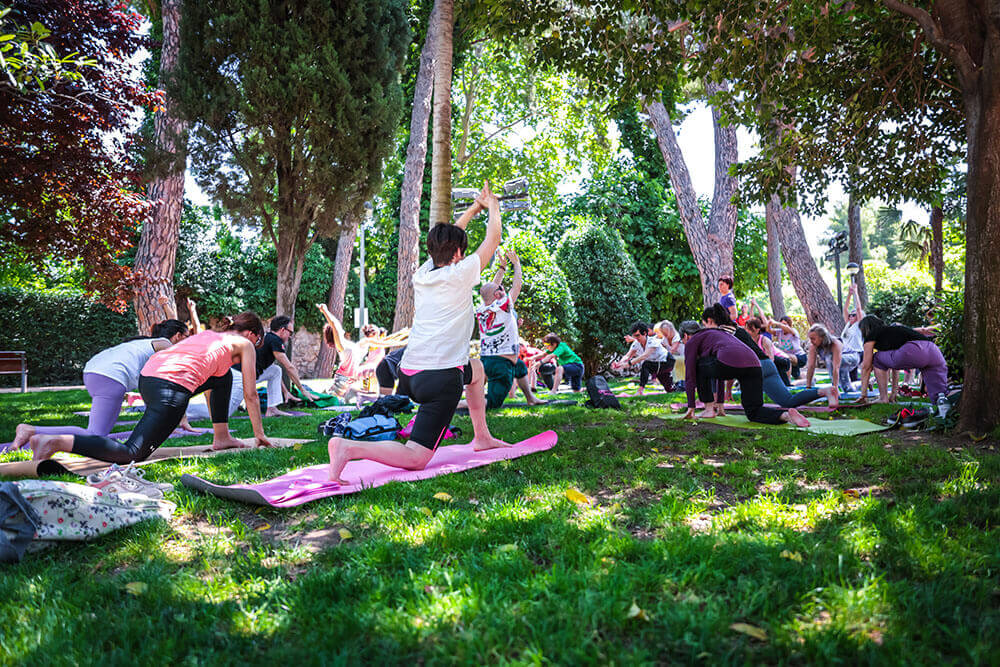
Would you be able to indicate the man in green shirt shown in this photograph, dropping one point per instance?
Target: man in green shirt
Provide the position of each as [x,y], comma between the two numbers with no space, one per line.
[569,363]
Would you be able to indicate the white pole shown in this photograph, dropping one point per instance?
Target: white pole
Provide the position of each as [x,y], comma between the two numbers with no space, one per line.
[363,319]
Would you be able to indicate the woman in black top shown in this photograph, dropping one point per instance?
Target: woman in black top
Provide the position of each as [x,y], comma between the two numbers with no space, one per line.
[892,348]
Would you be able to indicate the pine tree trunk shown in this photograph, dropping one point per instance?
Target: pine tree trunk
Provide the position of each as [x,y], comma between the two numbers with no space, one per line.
[980,408]
[817,300]
[413,179]
[441,165]
[712,242]
[855,251]
[771,213]
[338,294]
[937,249]
[156,253]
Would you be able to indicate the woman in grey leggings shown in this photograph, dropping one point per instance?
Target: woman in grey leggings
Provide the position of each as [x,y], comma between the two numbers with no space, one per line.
[773,385]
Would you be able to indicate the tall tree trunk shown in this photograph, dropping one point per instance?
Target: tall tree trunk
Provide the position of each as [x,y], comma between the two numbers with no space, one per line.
[338,293]
[980,408]
[413,179]
[817,300]
[711,242]
[855,250]
[441,161]
[771,213]
[156,253]
[937,249]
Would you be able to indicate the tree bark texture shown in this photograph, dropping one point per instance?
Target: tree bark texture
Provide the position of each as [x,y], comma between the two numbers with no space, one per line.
[817,300]
[338,294]
[980,408]
[968,34]
[408,253]
[771,213]
[855,248]
[711,242]
[937,249]
[156,253]
[441,161]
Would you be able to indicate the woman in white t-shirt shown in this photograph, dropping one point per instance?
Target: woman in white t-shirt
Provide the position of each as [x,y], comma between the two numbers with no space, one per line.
[436,364]
[108,376]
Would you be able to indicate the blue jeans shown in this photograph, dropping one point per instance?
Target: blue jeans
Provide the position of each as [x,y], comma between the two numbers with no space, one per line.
[778,392]
[574,373]
[848,362]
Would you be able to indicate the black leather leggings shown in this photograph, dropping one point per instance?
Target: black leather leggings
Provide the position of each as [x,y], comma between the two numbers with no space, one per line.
[751,388]
[166,403]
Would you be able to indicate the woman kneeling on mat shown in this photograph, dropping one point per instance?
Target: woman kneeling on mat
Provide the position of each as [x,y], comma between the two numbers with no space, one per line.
[167,382]
[892,348]
[108,376]
[711,355]
[774,387]
[436,363]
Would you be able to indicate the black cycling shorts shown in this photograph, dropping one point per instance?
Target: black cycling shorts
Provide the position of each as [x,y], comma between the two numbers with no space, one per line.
[438,393]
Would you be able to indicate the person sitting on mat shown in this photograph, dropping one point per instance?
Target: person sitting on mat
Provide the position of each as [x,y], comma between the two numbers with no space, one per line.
[200,363]
[752,336]
[107,377]
[648,353]
[436,363]
[787,340]
[271,350]
[499,343]
[569,362]
[524,354]
[896,347]
[711,355]
[831,350]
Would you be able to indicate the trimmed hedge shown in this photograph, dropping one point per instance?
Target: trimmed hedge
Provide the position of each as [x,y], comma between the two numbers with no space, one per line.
[58,332]
[950,318]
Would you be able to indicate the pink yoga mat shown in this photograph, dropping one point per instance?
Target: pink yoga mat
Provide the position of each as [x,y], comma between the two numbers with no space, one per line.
[307,484]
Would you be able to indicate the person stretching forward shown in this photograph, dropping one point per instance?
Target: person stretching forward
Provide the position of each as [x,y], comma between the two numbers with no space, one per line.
[648,353]
[436,363]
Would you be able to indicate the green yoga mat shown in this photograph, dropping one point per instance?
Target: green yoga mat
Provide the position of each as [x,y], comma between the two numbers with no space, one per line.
[846,427]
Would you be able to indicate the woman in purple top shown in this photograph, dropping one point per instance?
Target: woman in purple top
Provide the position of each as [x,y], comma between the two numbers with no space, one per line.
[712,354]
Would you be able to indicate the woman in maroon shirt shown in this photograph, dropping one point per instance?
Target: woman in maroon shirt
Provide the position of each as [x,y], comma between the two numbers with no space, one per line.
[712,354]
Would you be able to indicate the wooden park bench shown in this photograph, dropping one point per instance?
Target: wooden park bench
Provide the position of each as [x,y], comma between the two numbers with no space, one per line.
[13,363]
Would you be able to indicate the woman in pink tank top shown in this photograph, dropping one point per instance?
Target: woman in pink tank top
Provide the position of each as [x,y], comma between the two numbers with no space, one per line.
[167,382]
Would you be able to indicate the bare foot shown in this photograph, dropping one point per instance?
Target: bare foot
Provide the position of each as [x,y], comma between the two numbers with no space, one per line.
[881,400]
[795,417]
[832,397]
[480,444]
[22,434]
[707,413]
[45,446]
[228,442]
[338,459]
[535,401]
[720,412]
[275,412]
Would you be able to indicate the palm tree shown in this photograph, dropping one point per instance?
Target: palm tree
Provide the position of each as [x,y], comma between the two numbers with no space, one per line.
[915,242]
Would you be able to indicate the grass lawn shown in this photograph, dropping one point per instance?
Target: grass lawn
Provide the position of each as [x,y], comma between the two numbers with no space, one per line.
[701,544]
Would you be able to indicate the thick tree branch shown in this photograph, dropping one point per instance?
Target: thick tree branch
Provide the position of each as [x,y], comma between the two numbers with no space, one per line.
[955,51]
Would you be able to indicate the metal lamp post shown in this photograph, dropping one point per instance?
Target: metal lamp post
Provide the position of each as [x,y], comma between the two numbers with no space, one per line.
[838,245]
[361,312]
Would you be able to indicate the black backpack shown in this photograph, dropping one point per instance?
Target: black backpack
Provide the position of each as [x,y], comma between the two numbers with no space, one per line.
[600,394]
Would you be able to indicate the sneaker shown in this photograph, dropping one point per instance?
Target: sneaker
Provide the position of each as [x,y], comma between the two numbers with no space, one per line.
[915,419]
[129,479]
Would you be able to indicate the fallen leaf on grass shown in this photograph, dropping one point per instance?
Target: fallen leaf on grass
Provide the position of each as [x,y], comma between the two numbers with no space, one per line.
[473,501]
[507,548]
[297,446]
[664,465]
[443,497]
[136,587]
[637,612]
[791,555]
[749,630]
[263,526]
[345,534]
[851,493]
[426,511]
[577,497]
